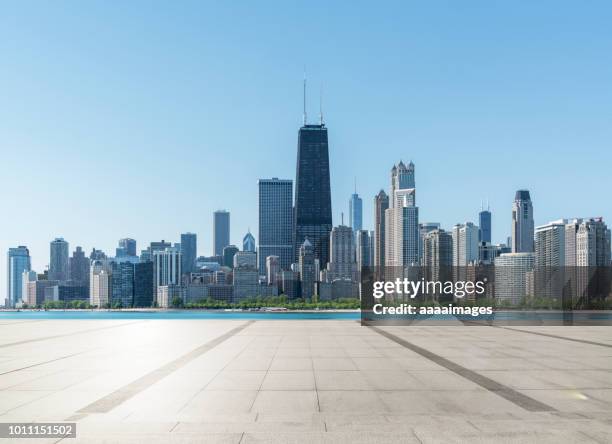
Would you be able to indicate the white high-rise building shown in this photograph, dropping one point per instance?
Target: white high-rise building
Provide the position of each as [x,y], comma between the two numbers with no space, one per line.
[550,244]
[272,269]
[99,283]
[465,244]
[166,267]
[511,271]
[593,243]
[402,230]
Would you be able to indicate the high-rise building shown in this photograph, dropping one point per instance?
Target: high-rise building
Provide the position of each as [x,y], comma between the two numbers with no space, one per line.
[99,284]
[79,268]
[381,204]
[245,259]
[363,249]
[522,223]
[424,228]
[342,264]
[549,259]
[18,261]
[127,247]
[484,221]
[248,242]
[511,276]
[143,284]
[313,212]
[221,231]
[58,261]
[593,243]
[167,267]
[402,178]
[571,230]
[438,255]
[550,244]
[228,255]
[121,284]
[272,269]
[275,222]
[402,228]
[465,244]
[189,250]
[355,212]
[307,269]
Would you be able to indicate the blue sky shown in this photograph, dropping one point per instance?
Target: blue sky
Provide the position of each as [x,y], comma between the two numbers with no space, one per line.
[139,119]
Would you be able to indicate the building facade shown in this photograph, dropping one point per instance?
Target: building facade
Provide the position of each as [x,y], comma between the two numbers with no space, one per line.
[381,204]
[221,231]
[18,261]
[313,212]
[275,222]
[522,223]
[58,260]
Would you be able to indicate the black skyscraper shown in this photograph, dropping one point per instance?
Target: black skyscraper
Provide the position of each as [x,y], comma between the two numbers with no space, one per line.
[313,214]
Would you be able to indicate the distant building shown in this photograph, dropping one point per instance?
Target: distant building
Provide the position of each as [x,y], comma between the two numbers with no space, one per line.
[484,222]
[355,212]
[58,261]
[307,270]
[593,243]
[381,204]
[289,284]
[424,228]
[511,271]
[363,248]
[272,269]
[143,284]
[122,284]
[248,242]
[189,251]
[465,244]
[166,295]
[221,231]
[549,259]
[275,222]
[99,284]
[522,223]
[228,255]
[342,264]
[246,283]
[18,261]
[438,255]
[128,246]
[313,212]
[402,229]
[79,268]
[167,267]
[245,259]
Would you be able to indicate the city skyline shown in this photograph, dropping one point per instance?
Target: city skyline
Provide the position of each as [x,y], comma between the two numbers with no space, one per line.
[469,102]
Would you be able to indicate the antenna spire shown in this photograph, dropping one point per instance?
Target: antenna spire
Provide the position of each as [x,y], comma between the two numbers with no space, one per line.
[304,115]
[321,104]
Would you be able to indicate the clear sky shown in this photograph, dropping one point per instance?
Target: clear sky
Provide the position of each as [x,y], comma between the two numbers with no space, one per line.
[139,119]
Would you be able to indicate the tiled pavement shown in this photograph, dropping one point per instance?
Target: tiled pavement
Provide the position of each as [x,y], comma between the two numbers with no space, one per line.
[306,381]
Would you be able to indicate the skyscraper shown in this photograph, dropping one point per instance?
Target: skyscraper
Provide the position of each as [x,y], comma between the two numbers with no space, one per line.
[511,270]
[307,269]
[549,258]
[18,261]
[228,255]
[79,268]
[363,249]
[402,177]
[522,223]
[166,267]
[381,204]
[593,243]
[402,230]
[221,231]
[143,284]
[438,255]
[248,242]
[484,221]
[355,212]
[425,228]
[272,269]
[275,222]
[189,250]
[465,244]
[128,246]
[313,212]
[58,261]
[342,264]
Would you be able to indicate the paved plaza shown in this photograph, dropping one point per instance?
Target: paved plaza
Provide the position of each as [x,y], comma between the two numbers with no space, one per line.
[239,381]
